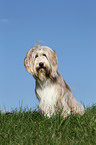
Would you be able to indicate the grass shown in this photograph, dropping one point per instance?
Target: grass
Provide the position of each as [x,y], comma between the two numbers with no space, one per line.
[30,128]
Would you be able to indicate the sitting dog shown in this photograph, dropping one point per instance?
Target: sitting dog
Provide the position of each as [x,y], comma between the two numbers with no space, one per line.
[52,91]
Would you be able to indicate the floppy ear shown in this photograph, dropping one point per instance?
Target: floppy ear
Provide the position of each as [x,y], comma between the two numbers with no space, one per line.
[54,64]
[28,62]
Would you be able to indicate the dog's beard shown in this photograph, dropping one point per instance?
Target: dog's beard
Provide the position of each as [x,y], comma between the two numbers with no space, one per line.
[42,73]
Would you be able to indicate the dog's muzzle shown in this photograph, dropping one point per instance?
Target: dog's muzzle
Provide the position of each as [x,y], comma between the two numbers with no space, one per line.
[43,69]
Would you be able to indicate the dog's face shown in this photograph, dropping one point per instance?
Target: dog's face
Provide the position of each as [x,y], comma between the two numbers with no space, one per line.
[41,62]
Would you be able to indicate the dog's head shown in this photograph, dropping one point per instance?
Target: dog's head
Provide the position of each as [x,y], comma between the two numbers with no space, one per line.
[41,62]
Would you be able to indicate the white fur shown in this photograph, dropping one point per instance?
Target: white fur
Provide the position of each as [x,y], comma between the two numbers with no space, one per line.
[48,96]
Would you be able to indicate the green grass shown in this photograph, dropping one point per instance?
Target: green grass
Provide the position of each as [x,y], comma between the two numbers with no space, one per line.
[30,128]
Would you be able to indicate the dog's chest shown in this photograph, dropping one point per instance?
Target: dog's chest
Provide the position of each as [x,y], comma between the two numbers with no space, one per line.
[48,95]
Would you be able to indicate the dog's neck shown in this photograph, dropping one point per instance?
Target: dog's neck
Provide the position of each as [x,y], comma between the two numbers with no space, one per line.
[42,84]
[45,83]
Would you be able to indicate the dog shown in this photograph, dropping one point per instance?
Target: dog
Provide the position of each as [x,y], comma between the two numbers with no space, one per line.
[51,89]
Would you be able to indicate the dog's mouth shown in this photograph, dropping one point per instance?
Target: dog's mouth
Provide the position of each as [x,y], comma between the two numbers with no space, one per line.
[41,69]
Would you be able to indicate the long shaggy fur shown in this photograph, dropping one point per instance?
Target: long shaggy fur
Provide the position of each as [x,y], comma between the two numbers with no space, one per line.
[52,91]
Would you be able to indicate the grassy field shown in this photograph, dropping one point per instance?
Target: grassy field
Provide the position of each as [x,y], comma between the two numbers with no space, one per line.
[30,128]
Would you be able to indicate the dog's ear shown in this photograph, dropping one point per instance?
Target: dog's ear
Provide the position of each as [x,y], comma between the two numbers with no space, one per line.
[54,64]
[28,62]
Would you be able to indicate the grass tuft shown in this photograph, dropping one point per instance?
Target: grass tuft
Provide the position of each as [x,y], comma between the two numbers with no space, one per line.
[30,127]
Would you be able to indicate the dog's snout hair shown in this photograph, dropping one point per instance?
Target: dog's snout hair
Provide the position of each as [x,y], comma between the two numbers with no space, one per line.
[52,91]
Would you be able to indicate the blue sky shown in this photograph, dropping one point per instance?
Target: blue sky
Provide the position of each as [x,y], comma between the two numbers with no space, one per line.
[67,26]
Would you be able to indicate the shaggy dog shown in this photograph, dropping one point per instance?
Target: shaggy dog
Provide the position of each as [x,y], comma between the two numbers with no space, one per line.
[52,91]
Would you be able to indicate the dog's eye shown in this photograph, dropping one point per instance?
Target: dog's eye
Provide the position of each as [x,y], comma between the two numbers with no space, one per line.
[36,55]
[44,55]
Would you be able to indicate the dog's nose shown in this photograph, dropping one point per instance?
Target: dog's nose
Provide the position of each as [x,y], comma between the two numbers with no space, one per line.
[41,64]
